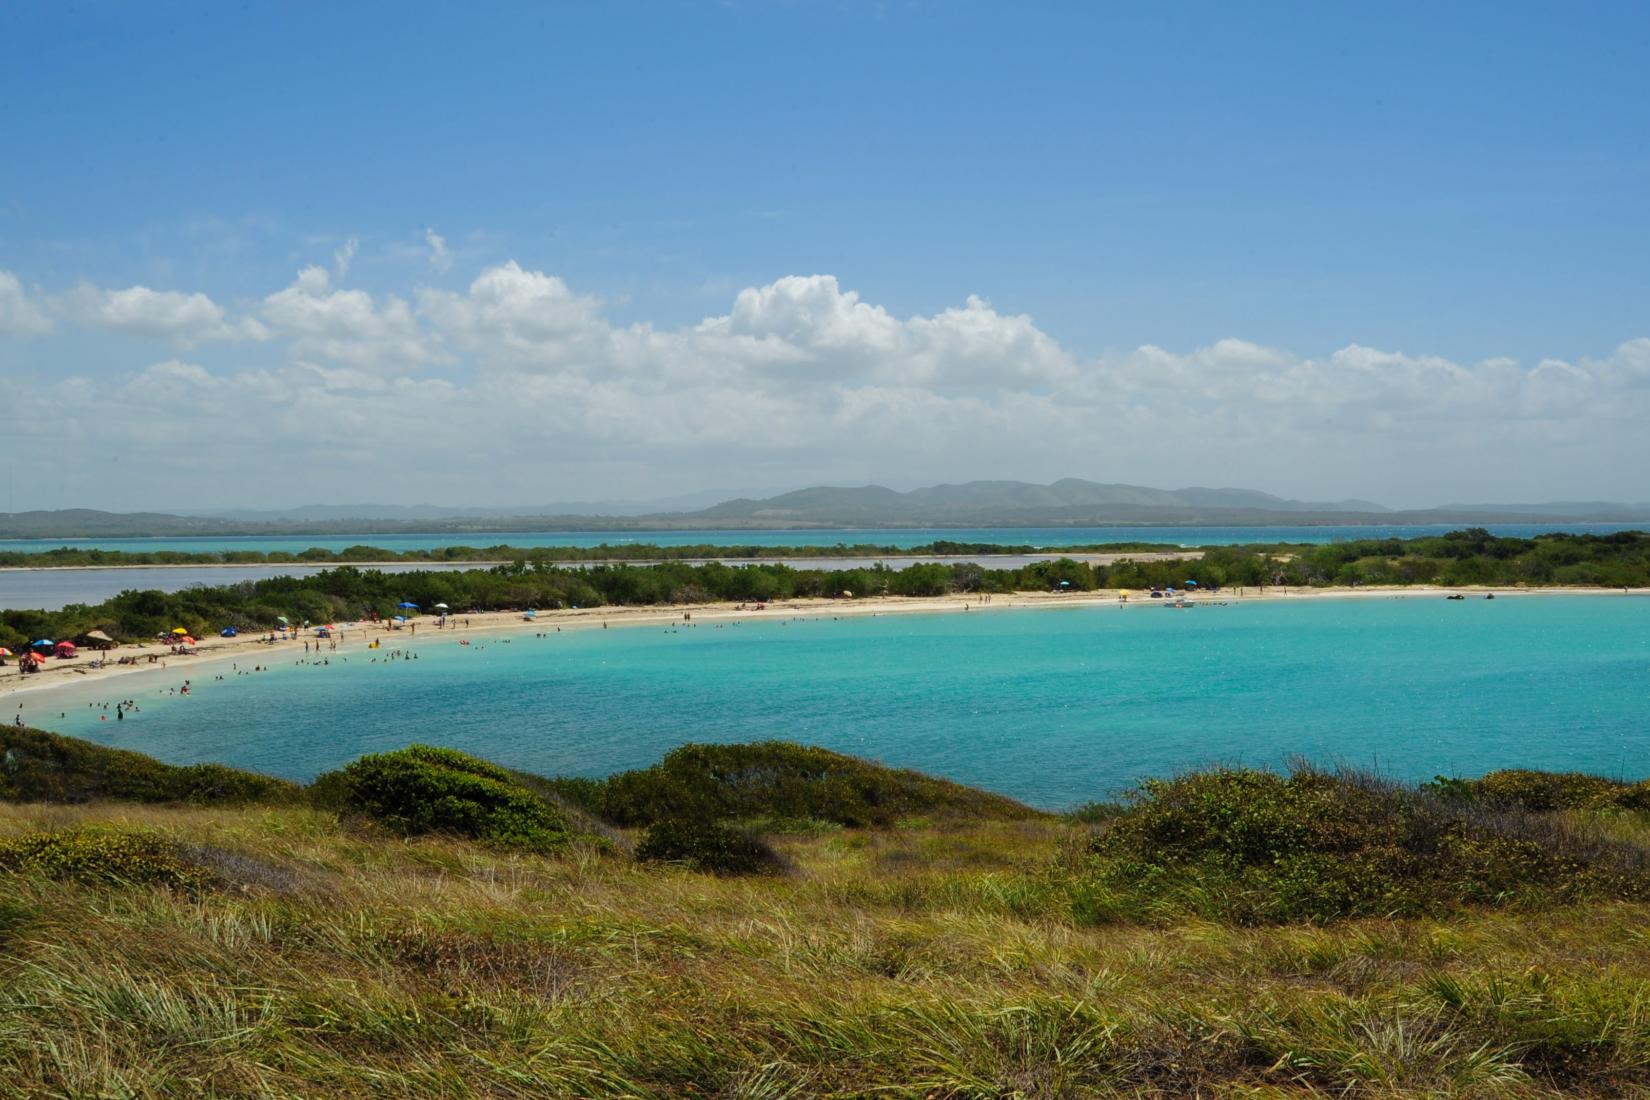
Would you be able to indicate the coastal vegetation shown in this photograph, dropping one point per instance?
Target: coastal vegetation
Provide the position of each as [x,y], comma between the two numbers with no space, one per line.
[421,789]
[92,557]
[36,766]
[777,780]
[1253,847]
[1231,933]
[1470,557]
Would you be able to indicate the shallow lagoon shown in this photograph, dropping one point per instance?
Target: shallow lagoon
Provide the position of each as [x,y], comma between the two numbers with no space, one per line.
[1053,706]
[876,536]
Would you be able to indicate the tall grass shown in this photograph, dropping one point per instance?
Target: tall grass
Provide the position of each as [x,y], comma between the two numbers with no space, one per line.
[926,959]
[907,962]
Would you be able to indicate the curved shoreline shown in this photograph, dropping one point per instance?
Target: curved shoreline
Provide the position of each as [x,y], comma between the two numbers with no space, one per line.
[354,636]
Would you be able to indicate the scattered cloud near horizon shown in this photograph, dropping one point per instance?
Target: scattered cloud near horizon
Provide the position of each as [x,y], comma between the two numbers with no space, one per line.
[519,389]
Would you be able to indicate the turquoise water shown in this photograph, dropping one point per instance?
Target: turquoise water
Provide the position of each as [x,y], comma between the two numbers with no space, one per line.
[1052,706]
[901,537]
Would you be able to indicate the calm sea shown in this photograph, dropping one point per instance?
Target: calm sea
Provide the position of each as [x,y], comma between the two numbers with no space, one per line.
[1052,706]
[901,537]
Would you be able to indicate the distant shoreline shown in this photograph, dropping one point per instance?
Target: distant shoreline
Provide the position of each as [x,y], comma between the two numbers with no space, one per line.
[1097,558]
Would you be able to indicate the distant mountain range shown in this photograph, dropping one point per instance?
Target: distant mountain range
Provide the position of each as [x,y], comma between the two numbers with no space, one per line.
[1070,502]
[323,513]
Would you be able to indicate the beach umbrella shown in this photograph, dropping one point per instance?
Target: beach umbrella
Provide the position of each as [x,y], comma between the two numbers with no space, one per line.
[98,636]
[405,603]
[280,618]
[227,632]
[1191,584]
[400,618]
[42,643]
[441,607]
[4,652]
[186,640]
[180,630]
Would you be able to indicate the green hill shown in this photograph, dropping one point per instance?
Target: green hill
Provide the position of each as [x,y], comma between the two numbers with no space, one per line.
[1228,933]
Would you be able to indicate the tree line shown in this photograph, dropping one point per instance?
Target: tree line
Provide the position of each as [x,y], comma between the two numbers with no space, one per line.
[346,593]
[64,556]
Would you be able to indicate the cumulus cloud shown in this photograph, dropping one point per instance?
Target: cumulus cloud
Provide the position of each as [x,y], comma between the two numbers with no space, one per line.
[187,319]
[347,326]
[802,380]
[19,314]
[513,315]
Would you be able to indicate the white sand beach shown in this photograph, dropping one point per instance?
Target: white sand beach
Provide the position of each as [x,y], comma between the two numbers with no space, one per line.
[356,636]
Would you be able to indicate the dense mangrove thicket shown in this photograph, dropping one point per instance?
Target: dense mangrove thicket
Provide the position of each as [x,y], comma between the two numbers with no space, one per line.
[1471,557]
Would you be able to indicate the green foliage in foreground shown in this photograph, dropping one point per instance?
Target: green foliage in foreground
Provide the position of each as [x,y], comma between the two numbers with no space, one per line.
[1256,847]
[421,789]
[1228,934]
[925,961]
[1521,789]
[103,856]
[36,766]
[778,780]
[709,847]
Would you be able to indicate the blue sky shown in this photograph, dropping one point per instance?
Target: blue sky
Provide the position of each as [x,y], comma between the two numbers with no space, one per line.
[1462,182]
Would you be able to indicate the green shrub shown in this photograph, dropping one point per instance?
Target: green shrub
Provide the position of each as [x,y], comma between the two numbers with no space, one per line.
[36,766]
[421,789]
[1545,792]
[1096,813]
[1256,847]
[103,856]
[776,780]
[708,847]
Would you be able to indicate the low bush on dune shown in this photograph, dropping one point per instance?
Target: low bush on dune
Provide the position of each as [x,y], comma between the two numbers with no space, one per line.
[1257,847]
[778,780]
[36,766]
[708,847]
[1520,789]
[104,857]
[420,789]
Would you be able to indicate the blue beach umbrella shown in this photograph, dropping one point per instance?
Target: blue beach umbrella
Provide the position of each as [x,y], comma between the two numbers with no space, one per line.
[1191,584]
[400,618]
[411,605]
[43,643]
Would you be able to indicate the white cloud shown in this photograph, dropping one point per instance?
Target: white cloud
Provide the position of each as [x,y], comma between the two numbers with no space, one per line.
[19,315]
[522,377]
[515,315]
[439,258]
[347,326]
[187,319]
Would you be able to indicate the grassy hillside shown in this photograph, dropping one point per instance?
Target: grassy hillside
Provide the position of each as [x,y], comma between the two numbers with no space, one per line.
[319,947]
